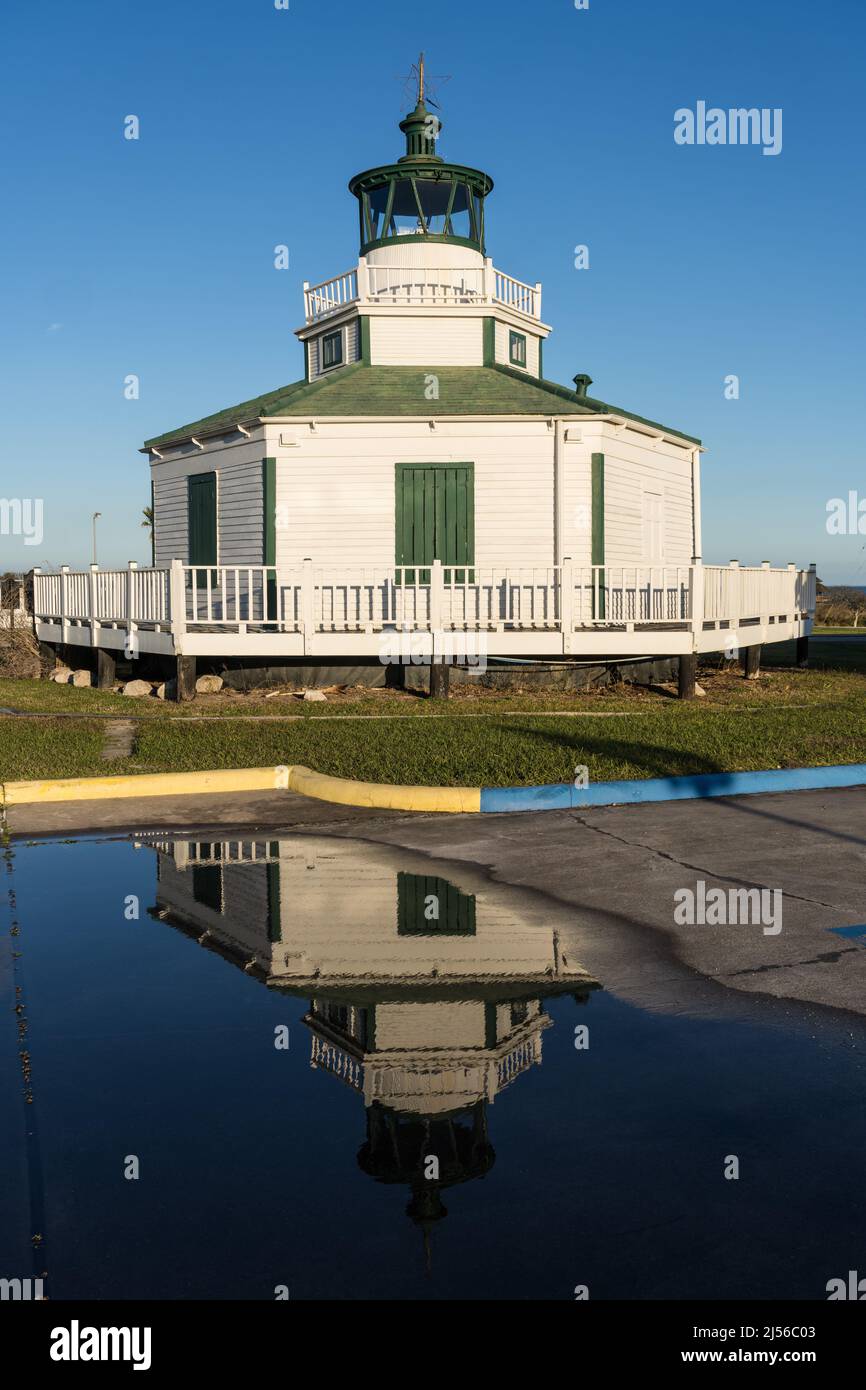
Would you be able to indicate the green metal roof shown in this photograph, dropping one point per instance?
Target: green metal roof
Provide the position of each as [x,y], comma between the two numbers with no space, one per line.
[400,392]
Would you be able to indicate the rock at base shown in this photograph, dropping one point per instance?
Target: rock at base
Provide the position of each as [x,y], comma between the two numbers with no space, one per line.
[138,689]
[316,695]
[82,678]
[167,690]
[62,676]
[208,685]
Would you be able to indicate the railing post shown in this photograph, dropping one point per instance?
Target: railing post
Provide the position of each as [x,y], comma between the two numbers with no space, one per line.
[696,600]
[131,625]
[94,605]
[363,280]
[811,597]
[64,603]
[177,605]
[538,300]
[489,281]
[436,596]
[37,585]
[736,593]
[307,313]
[765,600]
[308,599]
[566,604]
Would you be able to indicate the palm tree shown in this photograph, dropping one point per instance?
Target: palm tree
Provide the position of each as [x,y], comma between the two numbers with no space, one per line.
[147,524]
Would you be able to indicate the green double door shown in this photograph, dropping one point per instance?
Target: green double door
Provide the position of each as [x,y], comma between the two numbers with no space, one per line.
[435,519]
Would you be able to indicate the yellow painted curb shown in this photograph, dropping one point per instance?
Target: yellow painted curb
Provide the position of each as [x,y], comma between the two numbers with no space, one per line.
[340,790]
[382,796]
[147,784]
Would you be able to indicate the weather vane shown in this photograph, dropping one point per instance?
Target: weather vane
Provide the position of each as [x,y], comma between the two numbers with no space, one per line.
[423,84]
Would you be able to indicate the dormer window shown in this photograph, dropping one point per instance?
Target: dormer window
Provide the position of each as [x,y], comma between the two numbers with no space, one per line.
[332,350]
[517,349]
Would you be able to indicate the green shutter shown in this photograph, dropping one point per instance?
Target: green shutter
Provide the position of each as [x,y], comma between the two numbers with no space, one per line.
[435,518]
[598,524]
[456,910]
[489,342]
[269,538]
[202,518]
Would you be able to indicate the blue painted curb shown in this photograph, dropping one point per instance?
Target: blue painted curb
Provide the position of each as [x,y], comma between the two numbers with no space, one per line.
[565,796]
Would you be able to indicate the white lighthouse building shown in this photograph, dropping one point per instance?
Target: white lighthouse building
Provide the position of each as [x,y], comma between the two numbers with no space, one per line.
[423,476]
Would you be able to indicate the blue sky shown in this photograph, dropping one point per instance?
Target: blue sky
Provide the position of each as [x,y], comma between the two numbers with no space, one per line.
[155,256]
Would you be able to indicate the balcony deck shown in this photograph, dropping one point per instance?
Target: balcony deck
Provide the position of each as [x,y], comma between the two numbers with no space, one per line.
[406,615]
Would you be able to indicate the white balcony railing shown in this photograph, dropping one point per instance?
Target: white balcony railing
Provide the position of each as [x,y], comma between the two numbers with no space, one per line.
[313,600]
[423,286]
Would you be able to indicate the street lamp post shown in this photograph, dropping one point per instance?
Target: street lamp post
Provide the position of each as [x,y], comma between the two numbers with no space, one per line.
[96,516]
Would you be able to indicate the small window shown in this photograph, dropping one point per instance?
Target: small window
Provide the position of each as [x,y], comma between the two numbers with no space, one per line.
[517,349]
[332,350]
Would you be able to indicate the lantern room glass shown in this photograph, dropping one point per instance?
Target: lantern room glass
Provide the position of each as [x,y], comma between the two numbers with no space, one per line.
[419,206]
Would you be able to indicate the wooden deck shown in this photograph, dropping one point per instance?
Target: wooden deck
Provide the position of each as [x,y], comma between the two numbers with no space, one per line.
[406,615]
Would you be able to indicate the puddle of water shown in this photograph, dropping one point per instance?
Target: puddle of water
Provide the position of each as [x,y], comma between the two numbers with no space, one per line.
[430,1131]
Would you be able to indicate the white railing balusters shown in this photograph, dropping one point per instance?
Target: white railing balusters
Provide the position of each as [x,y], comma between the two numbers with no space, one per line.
[422,285]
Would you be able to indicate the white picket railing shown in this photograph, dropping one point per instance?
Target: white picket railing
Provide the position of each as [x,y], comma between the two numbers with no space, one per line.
[310,598]
[516,295]
[425,284]
[422,285]
[331,295]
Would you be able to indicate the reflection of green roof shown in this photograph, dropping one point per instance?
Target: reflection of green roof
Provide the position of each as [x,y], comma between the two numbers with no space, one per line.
[400,391]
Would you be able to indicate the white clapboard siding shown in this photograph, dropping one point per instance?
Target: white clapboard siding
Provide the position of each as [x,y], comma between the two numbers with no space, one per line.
[577,504]
[351,348]
[170,519]
[426,342]
[238,463]
[244,919]
[503,339]
[630,469]
[241,523]
[337,493]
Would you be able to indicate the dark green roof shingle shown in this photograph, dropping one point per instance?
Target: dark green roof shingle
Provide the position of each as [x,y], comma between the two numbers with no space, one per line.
[400,392]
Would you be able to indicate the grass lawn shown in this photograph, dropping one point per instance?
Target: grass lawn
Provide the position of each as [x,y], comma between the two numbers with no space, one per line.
[787,718]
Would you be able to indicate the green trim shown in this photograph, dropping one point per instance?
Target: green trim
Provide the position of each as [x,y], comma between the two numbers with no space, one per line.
[513,339]
[269,528]
[489,342]
[598,524]
[413,240]
[364,339]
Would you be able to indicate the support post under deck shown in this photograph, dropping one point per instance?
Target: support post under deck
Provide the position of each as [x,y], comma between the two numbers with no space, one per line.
[185,683]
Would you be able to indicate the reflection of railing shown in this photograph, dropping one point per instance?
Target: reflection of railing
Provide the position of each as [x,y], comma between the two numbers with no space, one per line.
[369,283]
[519,1059]
[337,1062]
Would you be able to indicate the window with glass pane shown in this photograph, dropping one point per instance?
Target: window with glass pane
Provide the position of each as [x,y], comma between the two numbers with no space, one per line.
[517,349]
[332,350]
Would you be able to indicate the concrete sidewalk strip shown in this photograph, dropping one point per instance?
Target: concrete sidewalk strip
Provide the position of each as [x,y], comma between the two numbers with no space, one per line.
[449,800]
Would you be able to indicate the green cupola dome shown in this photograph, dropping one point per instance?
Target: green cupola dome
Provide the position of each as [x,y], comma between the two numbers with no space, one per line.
[421,197]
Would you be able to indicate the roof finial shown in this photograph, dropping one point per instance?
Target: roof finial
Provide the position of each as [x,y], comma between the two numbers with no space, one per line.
[421,79]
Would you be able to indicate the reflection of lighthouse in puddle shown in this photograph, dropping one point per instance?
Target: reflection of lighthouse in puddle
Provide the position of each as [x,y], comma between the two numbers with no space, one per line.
[426,992]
